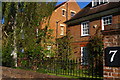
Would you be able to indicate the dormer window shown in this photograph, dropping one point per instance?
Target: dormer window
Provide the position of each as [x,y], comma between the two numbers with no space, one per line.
[98,2]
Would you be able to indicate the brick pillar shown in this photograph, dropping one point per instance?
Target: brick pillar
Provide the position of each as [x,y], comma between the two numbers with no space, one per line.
[111,39]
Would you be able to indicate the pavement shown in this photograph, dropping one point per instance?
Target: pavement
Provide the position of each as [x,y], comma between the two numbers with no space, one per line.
[19,74]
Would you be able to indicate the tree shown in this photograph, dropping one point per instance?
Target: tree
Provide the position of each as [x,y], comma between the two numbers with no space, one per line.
[8,30]
[64,47]
[95,48]
[21,21]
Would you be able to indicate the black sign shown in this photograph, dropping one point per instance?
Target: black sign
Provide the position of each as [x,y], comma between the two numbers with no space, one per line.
[112,56]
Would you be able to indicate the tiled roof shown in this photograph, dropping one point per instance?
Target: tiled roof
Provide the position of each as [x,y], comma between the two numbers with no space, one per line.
[89,10]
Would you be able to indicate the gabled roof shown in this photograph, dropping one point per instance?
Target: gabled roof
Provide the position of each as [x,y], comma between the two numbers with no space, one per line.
[89,10]
[60,5]
[64,3]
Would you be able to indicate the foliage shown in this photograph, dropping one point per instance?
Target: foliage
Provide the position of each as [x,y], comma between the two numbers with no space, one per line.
[95,48]
[21,21]
[95,45]
[7,36]
[64,47]
[7,59]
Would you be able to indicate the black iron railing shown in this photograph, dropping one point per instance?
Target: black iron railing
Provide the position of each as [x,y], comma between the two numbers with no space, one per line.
[93,69]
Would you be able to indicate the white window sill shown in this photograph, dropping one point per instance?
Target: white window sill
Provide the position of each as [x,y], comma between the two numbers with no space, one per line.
[85,35]
[61,34]
[107,24]
[63,15]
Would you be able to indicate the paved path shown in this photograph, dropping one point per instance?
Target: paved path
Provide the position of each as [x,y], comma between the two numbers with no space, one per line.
[18,74]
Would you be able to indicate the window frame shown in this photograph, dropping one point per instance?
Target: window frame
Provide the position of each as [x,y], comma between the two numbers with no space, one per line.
[103,25]
[37,31]
[99,3]
[83,63]
[82,29]
[64,12]
[61,31]
[71,13]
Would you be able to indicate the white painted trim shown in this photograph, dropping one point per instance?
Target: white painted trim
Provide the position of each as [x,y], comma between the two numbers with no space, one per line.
[102,21]
[82,28]
[85,35]
[81,55]
[102,24]
[37,32]
[72,11]
[63,5]
[62,24]
[65,12]
[84,57]
[92,3]
[63,9]
[99,2]
[62,33]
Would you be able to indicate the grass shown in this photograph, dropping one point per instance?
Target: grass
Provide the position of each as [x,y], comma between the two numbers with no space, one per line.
[64,73]
[67,76]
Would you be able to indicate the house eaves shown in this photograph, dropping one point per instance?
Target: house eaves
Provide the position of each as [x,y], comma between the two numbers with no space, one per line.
[90,12]
[92,16]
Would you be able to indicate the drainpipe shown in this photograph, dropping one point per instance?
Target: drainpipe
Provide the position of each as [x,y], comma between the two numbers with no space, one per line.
[57,34]
[67,10]
[57,28]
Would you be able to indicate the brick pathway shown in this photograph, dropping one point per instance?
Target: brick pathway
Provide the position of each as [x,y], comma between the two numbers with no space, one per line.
[18,74]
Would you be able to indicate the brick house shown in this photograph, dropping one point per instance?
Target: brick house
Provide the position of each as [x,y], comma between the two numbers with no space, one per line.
[62,12]
[103,14]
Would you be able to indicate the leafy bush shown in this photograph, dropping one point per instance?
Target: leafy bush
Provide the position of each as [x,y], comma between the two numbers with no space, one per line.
[95,48]
[7,59]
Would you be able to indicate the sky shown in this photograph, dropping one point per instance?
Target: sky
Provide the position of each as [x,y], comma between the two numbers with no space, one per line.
[82,3]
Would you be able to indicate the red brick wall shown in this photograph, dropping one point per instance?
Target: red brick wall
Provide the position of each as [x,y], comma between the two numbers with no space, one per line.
[111,73]
[57,16]
[112,39]
[80,41]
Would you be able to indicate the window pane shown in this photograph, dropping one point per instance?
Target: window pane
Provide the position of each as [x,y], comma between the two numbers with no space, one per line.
[107,20]
[85,28]
[63,12]
[72,14]
[101,1]
[84,56]
[62,31]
